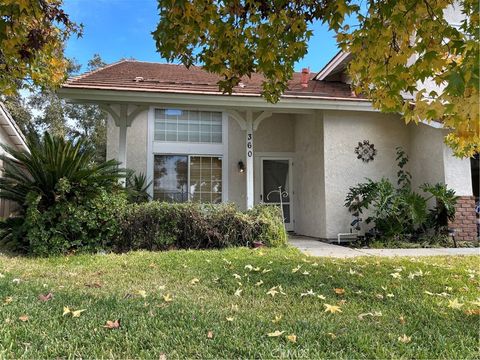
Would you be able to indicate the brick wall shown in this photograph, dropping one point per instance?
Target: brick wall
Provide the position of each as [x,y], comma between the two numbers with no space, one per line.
[465,223]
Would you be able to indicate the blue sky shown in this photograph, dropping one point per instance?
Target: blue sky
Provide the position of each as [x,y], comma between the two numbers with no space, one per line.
[118,29]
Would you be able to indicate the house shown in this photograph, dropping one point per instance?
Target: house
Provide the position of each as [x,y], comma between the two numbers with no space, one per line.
[198,144]
[10,135]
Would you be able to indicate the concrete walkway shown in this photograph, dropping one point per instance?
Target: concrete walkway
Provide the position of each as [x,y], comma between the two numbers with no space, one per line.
[318,248]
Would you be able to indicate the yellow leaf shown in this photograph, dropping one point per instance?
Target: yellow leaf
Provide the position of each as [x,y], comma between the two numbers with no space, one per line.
[167,297]
[238,292]
[277,319]
[77,313]
[292,338]
[404,339]
[142,293]
[332,308]
[229,318]
[454,304]
[194,281]
[258,283]
[272,292]
[276,333]
[66,310]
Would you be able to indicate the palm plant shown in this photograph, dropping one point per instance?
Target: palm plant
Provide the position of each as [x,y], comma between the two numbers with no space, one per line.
[137,187]
[54,169]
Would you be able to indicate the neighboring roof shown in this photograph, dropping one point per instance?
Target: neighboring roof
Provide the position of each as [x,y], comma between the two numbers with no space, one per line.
[336,65]
[132,75]
[11,128]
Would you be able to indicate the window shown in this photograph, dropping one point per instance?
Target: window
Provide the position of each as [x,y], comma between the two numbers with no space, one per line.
[188,126]
[179,178]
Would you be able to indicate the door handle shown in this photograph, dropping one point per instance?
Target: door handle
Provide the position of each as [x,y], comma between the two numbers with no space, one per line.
[261,197]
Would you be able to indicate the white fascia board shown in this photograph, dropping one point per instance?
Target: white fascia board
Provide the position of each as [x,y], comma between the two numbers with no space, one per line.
[332,65]
[16,134]
[287,102]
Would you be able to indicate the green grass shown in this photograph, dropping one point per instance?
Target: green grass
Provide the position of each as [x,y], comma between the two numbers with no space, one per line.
[151,327]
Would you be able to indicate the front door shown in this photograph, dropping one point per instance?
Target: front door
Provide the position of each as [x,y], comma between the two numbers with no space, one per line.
[276,185]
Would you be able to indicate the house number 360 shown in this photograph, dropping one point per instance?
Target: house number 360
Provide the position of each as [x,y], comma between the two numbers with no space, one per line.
[249,145]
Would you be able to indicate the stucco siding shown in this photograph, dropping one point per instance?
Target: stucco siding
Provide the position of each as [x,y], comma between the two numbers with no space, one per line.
[236,152]
[308,172]
[136,141]
[426,155]
[342,132]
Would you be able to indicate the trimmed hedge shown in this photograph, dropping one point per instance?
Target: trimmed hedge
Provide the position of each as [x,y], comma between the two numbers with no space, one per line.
[161,226]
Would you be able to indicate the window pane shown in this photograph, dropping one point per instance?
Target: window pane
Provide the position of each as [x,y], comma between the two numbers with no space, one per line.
[198,126]
[170,178]
[206,178]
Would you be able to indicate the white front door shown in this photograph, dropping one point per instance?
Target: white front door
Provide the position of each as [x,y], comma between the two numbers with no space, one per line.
[276,185]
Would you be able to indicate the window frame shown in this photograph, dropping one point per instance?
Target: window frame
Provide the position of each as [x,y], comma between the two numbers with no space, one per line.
[189,194]
[157,147]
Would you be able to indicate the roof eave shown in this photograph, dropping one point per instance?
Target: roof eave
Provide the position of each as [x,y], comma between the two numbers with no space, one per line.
[214,99]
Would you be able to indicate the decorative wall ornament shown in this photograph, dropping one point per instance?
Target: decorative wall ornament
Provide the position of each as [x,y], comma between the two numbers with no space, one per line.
[365,151]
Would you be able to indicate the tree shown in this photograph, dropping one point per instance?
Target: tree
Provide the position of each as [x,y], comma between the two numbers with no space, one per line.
[72,121]
[397,46]
[32,37]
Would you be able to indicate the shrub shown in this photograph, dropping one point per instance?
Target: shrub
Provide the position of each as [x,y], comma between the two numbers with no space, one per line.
[80,225]
[398,212]
[159,226]
[61,193]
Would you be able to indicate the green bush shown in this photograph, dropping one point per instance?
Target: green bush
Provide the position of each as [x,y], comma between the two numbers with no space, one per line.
[160,226]
[80,225]
[399,213]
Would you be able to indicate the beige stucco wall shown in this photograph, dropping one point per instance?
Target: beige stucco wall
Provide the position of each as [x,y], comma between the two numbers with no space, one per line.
[322,145]
[308,175]
[426,154]
[136,141]
[274,135]
[342,132]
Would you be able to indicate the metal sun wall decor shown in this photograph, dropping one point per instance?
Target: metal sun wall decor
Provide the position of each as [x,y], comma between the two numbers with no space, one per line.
[365,151]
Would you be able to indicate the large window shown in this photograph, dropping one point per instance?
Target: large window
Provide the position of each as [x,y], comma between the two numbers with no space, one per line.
[188,126]
[179,178]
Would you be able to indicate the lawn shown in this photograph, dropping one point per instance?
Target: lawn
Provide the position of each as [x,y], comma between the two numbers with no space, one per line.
[239,303]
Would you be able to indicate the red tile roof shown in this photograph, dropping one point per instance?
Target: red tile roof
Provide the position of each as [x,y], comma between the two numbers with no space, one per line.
[155,77]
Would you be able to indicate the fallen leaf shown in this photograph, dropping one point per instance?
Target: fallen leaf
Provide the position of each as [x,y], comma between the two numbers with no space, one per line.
[332,335]
[273,291]
[472,312]
[339,291]
[258,283]
[292,338]
[238,292]
[66,310]
[276,333]
[277,319]
[46,297]
[475,302]
[142,293]
[210,335]
[234,307]
[332,308]
[295,269]
[404,339]
[23,318]
[264,271]
[305,273]
[249,267]
[454,304]
[308,293]
[321,297]
[112,324]
[194,281]
[396,275]
[236,276]
[402,319]
[229,318]
[167,297]
[7,300]
[77,313]
[162,356]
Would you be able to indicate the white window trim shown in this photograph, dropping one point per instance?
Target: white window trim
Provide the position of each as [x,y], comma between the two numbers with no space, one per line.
[155,147]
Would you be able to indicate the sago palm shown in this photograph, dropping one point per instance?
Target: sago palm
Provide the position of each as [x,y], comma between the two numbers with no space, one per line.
[51,164]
